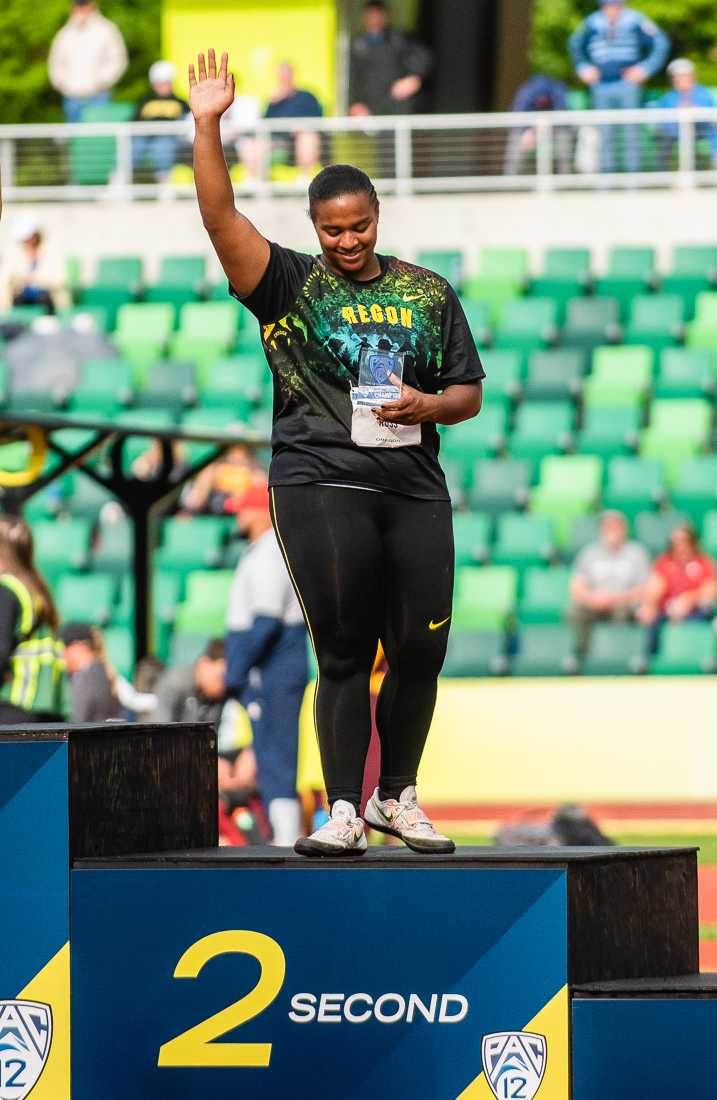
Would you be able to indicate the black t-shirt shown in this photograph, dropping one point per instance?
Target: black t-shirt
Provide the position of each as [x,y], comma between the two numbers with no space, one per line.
[314,325]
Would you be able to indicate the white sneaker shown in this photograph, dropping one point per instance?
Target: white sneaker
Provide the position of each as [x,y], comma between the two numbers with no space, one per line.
[342,835]
[405,819]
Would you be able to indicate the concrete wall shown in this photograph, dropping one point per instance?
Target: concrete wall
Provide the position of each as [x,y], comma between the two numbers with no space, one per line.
[598,220]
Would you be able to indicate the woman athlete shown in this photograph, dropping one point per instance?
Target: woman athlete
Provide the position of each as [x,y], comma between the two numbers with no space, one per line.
[359,501]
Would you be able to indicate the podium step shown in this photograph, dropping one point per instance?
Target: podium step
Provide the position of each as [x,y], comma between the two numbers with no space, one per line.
[699,986]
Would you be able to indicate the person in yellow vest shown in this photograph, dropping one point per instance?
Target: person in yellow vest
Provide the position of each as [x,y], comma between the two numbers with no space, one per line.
[32,664]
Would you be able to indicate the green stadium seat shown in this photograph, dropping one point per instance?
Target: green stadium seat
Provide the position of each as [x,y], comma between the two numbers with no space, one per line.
[216,322]
[169,385]
[119,643]
[633,485]
[695,487]
[491,292]
[542,428]
[186,648]
[192,543]
[677,430]
[702,332]
[92,160]
[475,653]
[62,545]
[209,420]
[86,597]
[478,316]
[472,535]
[142,333]
[568,486]
[114,549]
[522,540]
[695,260]
[205,607]
[609,431]
[233,378]
[620,376]
[120,271]
[86,497]
[503,274]
[504,263]
[545,595]
[107,298]
[616,649]
[474,439]
[653,529]
[504,370]
[656,320]
[590,322]
[74,315]
[189,271]
[585,530]
[528,323]
[500,485]
[22,315]
[630,271]
[565,275]
[686,372]
[709,533]
[545,650]
[485,597]
[448,263]
[554,375]
[104,387]
[685,649]
[20,400]
[167,588]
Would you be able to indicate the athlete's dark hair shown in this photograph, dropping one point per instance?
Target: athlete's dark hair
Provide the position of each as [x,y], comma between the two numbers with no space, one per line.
[339,179]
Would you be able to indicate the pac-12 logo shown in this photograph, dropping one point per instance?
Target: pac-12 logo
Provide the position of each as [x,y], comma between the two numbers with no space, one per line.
[25,1041]
[514,1063]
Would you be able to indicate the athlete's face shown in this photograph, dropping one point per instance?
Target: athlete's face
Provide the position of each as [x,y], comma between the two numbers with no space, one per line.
[347,227]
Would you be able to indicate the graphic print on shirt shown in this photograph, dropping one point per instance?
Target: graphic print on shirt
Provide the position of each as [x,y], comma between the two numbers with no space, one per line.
[319,342]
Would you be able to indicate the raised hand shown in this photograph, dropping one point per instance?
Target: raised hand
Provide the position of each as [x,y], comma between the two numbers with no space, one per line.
[212,93]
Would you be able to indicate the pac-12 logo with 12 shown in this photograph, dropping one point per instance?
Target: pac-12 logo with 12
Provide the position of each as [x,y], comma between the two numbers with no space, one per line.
[25,1042]
[514,1063]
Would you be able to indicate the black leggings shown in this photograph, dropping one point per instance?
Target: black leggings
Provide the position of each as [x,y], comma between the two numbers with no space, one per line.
[369,566]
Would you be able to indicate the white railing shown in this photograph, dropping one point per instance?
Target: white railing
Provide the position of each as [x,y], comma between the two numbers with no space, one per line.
[404,154]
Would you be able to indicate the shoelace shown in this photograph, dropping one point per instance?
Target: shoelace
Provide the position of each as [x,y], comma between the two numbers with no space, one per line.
[411,815]
[343,827]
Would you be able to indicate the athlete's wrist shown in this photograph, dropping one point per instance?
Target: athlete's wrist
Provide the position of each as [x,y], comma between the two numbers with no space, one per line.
[431,408]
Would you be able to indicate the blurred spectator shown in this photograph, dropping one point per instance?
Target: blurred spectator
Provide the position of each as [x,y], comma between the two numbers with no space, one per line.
[160,105]
[93,684]
[236,126]
[87,58]
[32,669]
[539,93]
[614,51]
[609,579]
[683,584]
[388,67]
[196,692]
[229,476]
[138,699]
[149,464]
[303,146]
[569,826]
[686,92]
[266,660]
[32,273]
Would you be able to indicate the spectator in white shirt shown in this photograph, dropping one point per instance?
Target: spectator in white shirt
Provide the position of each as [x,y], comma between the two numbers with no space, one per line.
[87,58]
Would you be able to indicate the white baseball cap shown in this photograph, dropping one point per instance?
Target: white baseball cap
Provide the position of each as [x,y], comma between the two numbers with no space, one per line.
[162,72]
[25,226]
[681,66]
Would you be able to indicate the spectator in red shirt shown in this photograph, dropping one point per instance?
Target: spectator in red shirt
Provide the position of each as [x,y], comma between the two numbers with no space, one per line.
[683,584]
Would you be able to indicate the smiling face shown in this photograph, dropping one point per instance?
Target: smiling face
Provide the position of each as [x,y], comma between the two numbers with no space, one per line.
[347,227]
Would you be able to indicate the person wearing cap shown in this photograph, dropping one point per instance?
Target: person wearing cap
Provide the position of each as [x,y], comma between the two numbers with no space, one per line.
[538,93]
[614,51]
[685,92]
[609,579]
[388,68]
[32,273]
[93,683]
[267,668]
[87,58]
[160,105]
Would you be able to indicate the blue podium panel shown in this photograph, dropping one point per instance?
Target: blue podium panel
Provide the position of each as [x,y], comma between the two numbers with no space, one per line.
[272,983]
[34,920]
[634,1048]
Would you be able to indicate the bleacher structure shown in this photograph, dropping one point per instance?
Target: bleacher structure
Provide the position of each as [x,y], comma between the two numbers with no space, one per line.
[600,392]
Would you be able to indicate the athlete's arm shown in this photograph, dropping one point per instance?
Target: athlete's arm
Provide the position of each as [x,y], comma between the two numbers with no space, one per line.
[455,404]
[242,251]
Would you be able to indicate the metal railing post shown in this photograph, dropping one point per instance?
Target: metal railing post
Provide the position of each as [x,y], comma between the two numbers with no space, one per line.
[403,138]
[544,154]
[123,170]
[685,154]
[7,162]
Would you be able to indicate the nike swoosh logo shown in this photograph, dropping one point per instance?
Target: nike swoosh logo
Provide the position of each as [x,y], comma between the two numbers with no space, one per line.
[437,626]
[412,297]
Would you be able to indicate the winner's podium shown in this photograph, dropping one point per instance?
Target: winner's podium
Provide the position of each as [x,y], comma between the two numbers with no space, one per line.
[187,971]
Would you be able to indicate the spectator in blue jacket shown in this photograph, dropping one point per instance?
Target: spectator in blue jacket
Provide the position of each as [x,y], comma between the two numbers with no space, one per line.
[686,92]
[539,93]
[267,668]
[614,51]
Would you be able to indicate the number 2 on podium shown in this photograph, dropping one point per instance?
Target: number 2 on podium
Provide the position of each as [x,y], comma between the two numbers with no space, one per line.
[196,1047]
